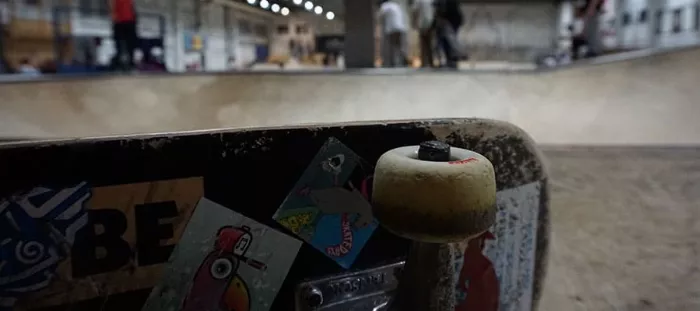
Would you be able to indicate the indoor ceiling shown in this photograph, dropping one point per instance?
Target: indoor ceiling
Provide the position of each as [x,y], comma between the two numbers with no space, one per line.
[336,6]
[277,6]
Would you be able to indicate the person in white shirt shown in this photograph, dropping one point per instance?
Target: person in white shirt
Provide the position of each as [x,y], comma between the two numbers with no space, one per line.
[394,26]
[423,16]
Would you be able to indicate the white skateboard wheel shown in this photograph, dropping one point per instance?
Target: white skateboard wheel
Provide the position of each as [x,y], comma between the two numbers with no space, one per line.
[438,202]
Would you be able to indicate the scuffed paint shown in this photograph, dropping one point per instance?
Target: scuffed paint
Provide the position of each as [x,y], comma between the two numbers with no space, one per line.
[157,143]
[258,144]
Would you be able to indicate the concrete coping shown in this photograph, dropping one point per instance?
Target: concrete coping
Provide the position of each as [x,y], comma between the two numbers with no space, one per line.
[507,69]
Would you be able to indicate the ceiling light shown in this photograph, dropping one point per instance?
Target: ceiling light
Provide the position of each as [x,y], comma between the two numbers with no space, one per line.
[318,10]
[264,4]
[330,15]
[309,5]
[297,2]
[251,1]
[285,11]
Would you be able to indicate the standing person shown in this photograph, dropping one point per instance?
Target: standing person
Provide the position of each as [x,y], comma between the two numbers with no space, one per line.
[423,15]
[394,26]
[448,20]
[589,12]
[124,32]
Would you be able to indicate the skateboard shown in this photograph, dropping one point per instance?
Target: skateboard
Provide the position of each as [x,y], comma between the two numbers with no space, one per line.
[252,219]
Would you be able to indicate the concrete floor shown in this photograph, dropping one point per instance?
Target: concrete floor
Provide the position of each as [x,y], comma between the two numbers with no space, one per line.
[625,220]
[625,229]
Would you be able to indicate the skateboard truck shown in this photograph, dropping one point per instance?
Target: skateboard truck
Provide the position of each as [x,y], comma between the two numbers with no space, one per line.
[433,194]
[370,289]
[436,196]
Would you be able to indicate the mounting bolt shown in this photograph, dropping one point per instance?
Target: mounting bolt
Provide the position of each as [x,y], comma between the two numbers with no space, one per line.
[434,150]
[313,297]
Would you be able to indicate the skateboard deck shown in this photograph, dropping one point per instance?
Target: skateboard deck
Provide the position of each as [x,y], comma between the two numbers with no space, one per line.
[240,219]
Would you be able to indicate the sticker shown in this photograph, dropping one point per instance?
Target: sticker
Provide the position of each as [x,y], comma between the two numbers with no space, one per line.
[37,230]
[130,233]
[496,270]
[329,206]
[224,261]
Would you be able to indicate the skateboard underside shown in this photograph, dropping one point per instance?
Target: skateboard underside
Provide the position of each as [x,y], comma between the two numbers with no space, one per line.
[243,220]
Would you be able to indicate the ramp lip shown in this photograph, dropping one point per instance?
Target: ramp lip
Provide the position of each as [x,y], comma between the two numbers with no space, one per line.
[606,59]
[622,57]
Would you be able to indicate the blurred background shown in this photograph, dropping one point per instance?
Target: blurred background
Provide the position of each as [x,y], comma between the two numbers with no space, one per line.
[64,36]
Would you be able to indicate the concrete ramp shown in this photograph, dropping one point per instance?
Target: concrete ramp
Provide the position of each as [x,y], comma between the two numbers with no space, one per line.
[643,101]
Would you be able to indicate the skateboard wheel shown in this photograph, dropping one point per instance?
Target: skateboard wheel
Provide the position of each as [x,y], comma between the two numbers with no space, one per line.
[429,201]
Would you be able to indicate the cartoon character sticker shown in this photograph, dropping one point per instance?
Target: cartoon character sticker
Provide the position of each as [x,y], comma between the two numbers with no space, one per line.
[216,284]
[37,231]
[224,262]
[329,206]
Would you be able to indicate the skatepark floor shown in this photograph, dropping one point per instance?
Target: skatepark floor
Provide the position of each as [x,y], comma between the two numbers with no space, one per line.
[625,229]
[625,213]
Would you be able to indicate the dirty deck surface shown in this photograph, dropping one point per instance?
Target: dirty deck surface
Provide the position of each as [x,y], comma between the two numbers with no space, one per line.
[625,229]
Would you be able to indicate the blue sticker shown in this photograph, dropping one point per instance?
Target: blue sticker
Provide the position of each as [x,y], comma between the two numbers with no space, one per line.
[329,206]
[37,231]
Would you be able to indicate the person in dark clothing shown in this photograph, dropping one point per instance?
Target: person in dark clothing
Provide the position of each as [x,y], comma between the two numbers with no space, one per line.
[448,20]
[587,12]
[124,33]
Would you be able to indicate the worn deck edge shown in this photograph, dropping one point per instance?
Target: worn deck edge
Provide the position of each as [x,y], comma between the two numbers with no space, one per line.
[25,141]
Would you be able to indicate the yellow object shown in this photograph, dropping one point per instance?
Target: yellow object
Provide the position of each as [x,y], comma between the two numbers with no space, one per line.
[278,59]
[197,42]
[296,223]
